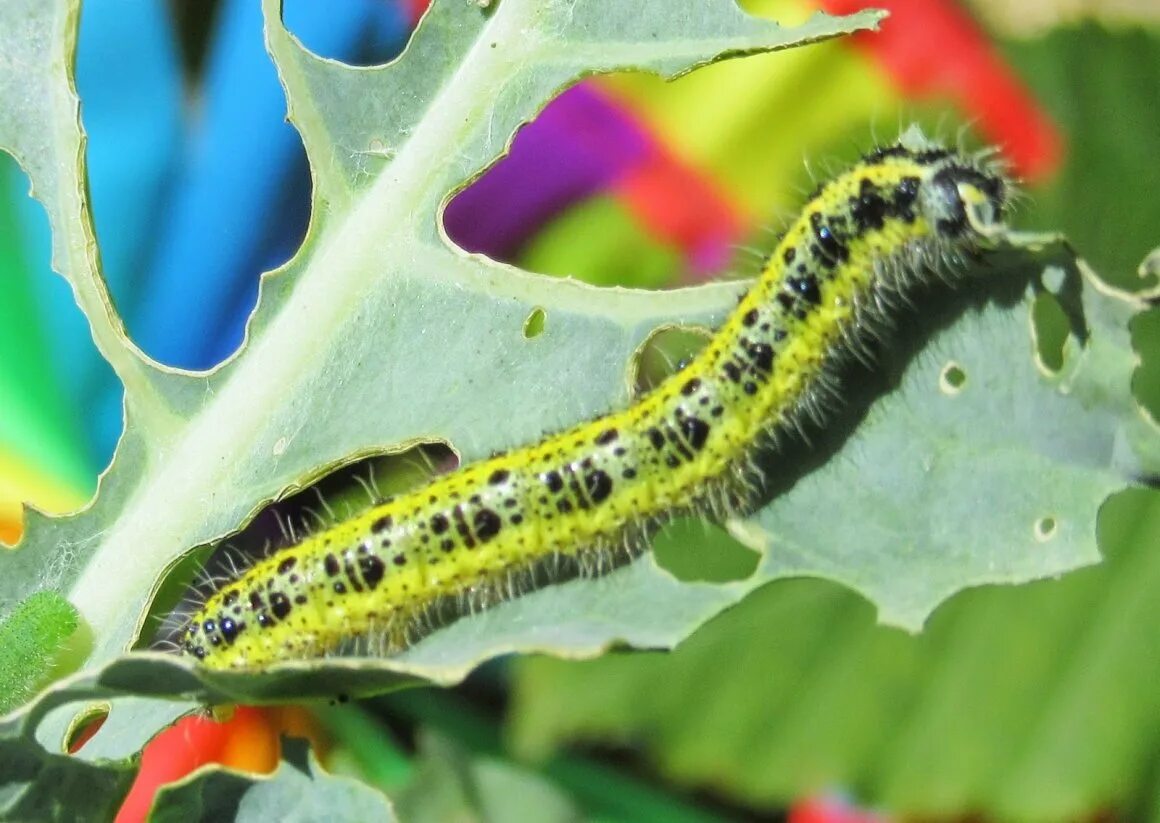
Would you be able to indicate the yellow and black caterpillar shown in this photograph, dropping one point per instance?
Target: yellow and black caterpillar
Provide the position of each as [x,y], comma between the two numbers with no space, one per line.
[865,237]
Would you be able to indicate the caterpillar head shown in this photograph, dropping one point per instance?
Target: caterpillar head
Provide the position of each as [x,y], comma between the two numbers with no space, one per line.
[962,197]
[963,201]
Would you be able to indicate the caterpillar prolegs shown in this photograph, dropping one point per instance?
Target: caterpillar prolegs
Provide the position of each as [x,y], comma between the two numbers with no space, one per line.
[868,235]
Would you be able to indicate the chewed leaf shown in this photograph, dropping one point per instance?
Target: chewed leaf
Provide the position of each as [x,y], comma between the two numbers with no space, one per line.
[346,353]
[379,333]
[1010,448]
[583,498]
[40,127]
[1028,702]
[267,419]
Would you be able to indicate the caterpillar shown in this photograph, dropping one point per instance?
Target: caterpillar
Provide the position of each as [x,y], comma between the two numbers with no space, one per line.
[864,239]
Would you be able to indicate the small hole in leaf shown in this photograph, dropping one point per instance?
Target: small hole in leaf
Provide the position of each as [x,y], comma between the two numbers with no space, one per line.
[84,727]
[691,549]
[534,325]
[1050,330]
[665,352]
[952,379]
[1045,528]
[1054,279]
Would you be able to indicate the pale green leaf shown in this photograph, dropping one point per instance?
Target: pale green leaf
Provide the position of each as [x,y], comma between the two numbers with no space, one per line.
[378,332]
[451,784]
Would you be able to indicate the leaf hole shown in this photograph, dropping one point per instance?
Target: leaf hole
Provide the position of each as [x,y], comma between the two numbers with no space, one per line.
[952,379]
[357,32]
[664,352]
[534,324]
[1045,528]
[47,345]
[337,493]
[695,550]
[1050,329]
[84,727]
[552,204]
[1054,280]
[11,523]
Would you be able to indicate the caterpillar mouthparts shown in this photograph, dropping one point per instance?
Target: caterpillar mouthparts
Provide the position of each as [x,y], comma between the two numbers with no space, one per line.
[601,486]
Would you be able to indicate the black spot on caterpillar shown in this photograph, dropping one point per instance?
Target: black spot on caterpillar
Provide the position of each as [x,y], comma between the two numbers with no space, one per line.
[872,233]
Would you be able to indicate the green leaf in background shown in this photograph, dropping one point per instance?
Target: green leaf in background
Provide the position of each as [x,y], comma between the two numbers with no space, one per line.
[1034,703]
[453,785]
[298,790]
[1100,87]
